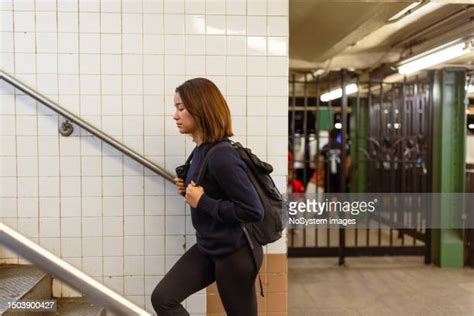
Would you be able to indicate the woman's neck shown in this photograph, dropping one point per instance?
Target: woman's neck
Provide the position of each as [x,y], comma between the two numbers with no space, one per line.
[197,138]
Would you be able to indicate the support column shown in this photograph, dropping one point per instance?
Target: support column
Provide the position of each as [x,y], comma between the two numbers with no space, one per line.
[449,145]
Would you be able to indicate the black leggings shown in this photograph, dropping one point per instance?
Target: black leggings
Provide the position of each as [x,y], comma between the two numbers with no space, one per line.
[234,274]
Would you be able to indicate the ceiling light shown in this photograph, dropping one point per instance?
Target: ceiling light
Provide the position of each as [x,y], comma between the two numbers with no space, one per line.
[338,125]
[433,57]
[470,89]
[336,94]
[405,11]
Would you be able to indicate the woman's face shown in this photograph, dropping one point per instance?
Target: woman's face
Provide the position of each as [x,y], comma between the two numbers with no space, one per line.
[184,120]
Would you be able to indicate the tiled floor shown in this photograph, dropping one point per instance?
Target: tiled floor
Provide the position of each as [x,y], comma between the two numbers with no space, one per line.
[377,286]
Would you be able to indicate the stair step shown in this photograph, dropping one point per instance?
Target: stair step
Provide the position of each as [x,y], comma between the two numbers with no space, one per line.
[19,282]
[78,306]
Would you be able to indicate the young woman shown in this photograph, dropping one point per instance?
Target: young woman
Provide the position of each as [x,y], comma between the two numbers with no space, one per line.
[223,200]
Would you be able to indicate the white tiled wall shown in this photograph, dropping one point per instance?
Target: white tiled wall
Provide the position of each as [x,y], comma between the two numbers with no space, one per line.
[116,64]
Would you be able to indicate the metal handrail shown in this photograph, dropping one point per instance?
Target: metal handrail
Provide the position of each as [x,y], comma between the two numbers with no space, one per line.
[85,125]
[97,292]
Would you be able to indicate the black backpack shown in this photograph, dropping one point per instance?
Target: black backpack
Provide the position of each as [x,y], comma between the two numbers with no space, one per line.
[274,203]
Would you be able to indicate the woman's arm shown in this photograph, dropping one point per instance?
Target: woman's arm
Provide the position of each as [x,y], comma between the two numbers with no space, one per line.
[243,203]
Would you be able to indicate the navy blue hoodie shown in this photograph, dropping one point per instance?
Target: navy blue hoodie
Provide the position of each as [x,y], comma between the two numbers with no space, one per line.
[229,199]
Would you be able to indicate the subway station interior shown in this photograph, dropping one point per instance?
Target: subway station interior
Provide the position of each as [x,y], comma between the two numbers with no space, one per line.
[378,104]
[357,100]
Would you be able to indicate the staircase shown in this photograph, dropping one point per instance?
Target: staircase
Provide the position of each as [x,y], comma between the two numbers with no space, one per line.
[26,282]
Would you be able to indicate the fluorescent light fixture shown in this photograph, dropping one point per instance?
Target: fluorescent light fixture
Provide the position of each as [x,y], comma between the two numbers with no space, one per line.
[405,11]
[336,94]
[470,126]
[433,57]
[338,125]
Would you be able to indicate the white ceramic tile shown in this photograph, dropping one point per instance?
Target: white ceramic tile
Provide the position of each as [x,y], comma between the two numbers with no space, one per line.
[8,186]
[132,6]
[68,22]
[48,84]
[132,23]
[257,7]
[49,227]
[89,64]
[70,166]
[236,25]
[257,106]
[174,44]
[237,105]
[195,6]
[175,225]
[215,45]
[8,166]
[68,6]
[25,105]
[112,125]
[89,22]
[256,126]
[278,26]
[70,206]
[153,85]
[173,6]
[8,104]
[215,65]
[256,25]
[6,21]
[68,43]
[258,144]
[215,7]
[256,86]
[68,84]
[236,7]
[153,44]
[111,84]
[153,6]
[70,227]
[195,65]
[278,7]
[174,245]
[195,24]
[111,64]
[111,23]
[24,21]
[111,105]
[89,84]
[6,61]
[153,23]
[26,146]
[91,186]
[132,105]
[113,266]
[133,225]
[256,66]
[89,43]
[278,66]
[28,227]
[154,205]
[280,164]
[277,86]
[91,206]
[256,45]
[89,5]
[196,303]
[112,206]
[134,265]
[154,265]
[237,85]
[174,24]
[236,45]
[45,21]
[154,145]
[28,207]
[70,186]
[91,166]
[8,145]
[278,46]
[7,125]
[112,246]
[115,283]
[113,225]
[277,106]
[92,266]
[8,208]
[215,25]
[46,63]
[134,285]
[175,64]
[92,247]
[132,85]
[195,44]
[25,42]
[154,185]
[27,166]
[92,227]
[112,44]
[6,43]
[132,125]
[133,205]
[133,245]
[154,245]
[132,64]
[133,185]
[49,207]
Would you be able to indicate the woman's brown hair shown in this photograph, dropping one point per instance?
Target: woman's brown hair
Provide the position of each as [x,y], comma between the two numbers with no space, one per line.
[203,100]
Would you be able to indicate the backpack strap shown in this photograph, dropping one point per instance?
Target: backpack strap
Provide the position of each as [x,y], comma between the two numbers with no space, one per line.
[202,171]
